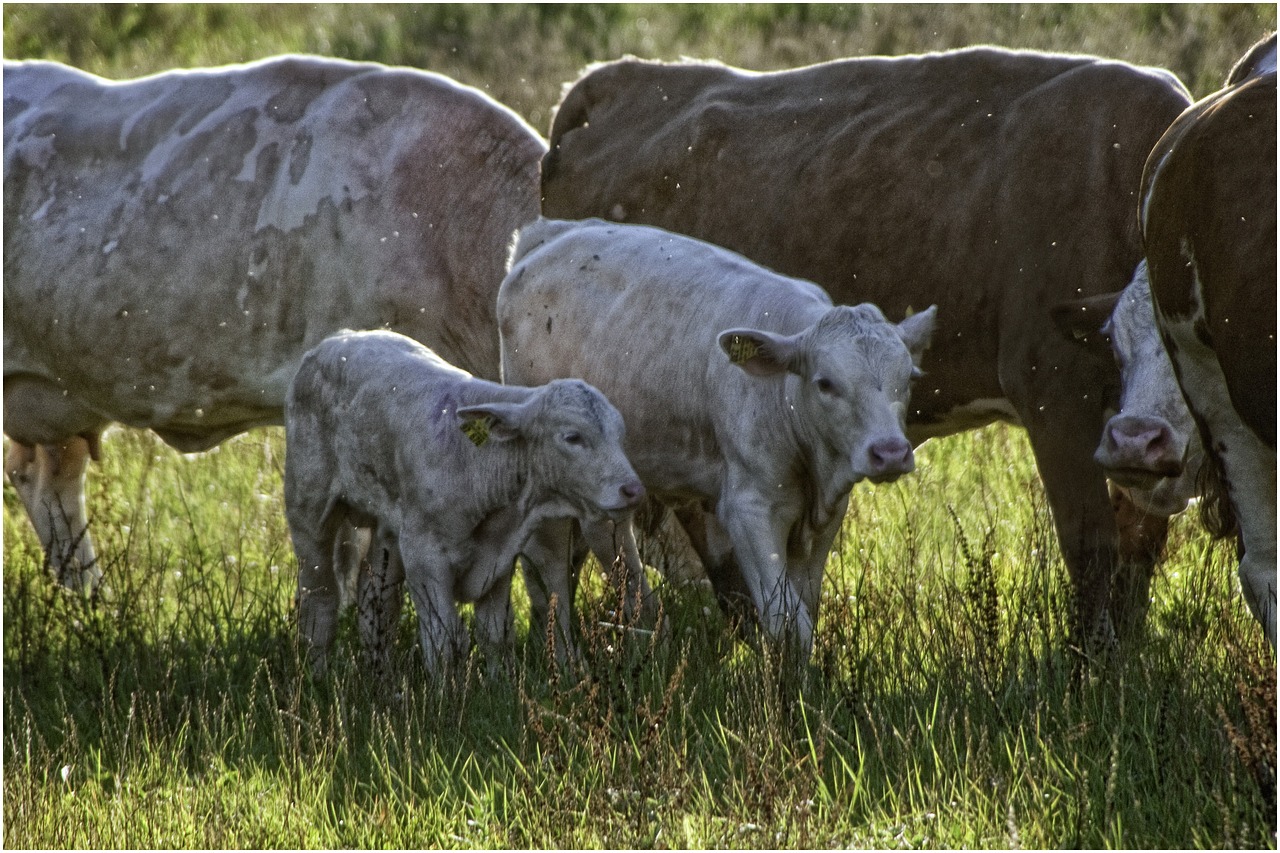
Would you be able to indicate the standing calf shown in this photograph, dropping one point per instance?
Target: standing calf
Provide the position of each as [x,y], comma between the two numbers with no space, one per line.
[753,404]
[452,475]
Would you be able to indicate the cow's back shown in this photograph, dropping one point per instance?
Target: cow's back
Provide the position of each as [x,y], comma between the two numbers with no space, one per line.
[984,181]
[173,245]
[636,312]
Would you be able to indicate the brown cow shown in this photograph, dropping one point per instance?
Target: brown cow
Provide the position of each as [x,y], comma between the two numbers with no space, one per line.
[988,182]
[1209,219]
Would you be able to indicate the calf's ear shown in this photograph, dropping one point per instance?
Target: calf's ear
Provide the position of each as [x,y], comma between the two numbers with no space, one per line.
[491,422]
[758,352]
[1081,320]
[916,332]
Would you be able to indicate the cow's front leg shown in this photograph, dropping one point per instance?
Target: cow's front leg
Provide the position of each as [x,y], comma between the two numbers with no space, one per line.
[495,625]
[49,478]
[430,577]
[758,531]
[614,545]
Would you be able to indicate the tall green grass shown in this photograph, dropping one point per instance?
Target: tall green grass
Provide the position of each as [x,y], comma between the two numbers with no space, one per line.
[943,707]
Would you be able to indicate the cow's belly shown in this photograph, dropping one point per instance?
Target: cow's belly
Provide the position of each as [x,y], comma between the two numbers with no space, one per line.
[966,416]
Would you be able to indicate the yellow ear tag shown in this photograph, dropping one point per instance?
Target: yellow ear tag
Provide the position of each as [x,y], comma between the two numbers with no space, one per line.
[477,429]
[742,349]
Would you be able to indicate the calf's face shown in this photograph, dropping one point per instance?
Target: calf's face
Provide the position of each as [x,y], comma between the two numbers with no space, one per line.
[573,438]
[853,371]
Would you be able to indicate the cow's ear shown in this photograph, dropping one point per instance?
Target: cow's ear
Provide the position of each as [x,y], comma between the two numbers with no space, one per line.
[491,422]
[758,352]
[1081,320]
[916,332]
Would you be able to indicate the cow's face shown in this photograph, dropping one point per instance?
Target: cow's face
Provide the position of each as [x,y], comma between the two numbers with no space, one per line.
[1150,446]
[849,380]
[573,439]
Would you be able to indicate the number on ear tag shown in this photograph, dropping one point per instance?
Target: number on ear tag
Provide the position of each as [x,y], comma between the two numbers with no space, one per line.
[742,349]
[477,429]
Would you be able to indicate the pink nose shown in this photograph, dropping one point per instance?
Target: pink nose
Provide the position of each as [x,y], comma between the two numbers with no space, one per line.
[632,492]
[890,456]
[1144,443]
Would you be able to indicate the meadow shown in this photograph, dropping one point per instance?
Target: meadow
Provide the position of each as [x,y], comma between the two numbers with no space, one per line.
[944,707]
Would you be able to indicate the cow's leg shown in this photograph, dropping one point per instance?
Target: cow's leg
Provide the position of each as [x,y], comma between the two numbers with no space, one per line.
[1142,537]
[1255,500]
[380,594]
[49,478]
[1248,464]
[552,559]
[440,628]
[1077,493]
[1250,469]
[759,536]
[714,548]
[495,624]
[807,566]
[614,545]
[318,596]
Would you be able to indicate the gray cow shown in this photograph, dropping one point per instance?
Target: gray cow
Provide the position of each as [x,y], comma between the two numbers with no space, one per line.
[174,244]
[752,403]
[452,474]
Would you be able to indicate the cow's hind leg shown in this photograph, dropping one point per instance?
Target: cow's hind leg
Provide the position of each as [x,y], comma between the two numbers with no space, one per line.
[49,478]
[318,594]
[380,597]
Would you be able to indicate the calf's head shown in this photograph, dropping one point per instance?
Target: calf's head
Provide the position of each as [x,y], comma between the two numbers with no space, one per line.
[849,379]
[572,437]
[1150,446]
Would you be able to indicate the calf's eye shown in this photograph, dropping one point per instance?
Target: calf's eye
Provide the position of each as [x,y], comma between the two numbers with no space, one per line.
[574,439]
[825,385]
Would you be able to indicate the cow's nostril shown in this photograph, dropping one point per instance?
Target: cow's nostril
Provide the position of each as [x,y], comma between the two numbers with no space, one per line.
[632,491]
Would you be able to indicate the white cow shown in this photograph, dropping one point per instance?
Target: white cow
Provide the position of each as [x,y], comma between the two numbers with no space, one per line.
[452,474]
[1149,447]
[174,244]
[749,398]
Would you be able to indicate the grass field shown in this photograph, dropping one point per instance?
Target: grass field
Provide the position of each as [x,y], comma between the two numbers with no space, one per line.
[944,708]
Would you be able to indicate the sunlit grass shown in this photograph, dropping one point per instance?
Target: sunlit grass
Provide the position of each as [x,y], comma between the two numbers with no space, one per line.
[943,707]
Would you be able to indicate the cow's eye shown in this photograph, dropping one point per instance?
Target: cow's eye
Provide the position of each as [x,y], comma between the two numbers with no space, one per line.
[825,385]
[574,439]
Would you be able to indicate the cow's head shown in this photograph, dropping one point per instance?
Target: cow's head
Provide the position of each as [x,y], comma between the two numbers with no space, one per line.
[850,378]
[1150,446]
[572,438]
